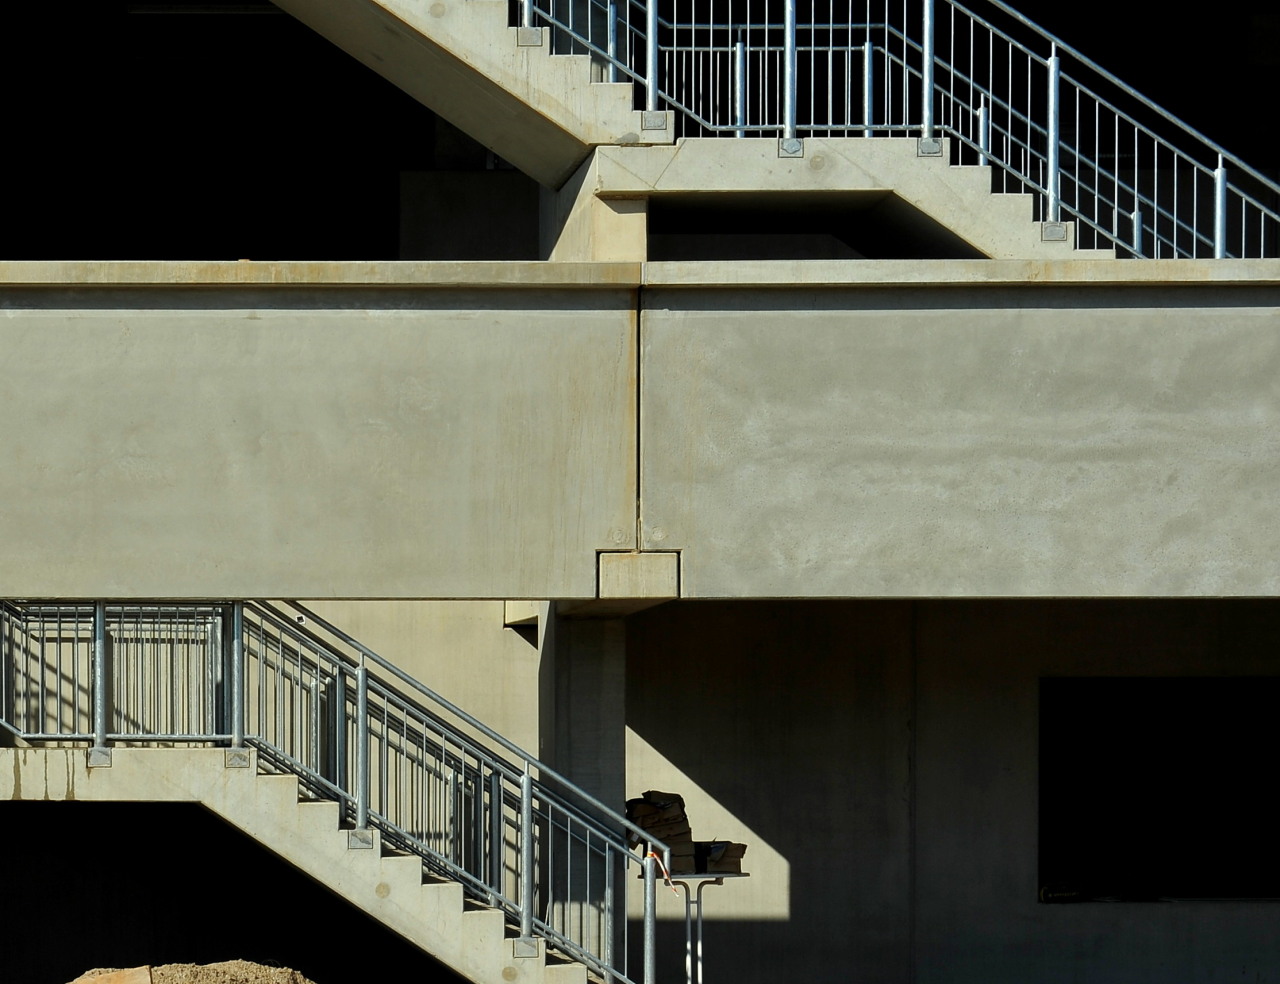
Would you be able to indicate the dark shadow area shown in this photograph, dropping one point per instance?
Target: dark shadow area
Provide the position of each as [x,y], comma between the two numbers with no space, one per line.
[1158,788]
[862,225]
[129,884]
[222,130]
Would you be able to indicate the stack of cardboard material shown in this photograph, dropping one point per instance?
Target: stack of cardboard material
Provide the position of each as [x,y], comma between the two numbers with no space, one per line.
[718,857]
[662,817]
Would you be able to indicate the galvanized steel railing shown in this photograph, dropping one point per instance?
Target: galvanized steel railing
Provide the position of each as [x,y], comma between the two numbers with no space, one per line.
[353,728]
[1047,119]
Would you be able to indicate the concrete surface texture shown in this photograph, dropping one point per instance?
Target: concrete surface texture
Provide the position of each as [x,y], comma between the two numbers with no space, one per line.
[224,972]
[813,430]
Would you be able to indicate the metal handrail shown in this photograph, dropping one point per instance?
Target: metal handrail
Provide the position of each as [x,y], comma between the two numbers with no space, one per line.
[1099,153]
[354,728]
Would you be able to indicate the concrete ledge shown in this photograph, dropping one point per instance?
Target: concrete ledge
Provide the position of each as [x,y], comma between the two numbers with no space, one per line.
[640,575]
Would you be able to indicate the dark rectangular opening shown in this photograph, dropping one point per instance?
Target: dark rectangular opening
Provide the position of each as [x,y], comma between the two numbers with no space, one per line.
[1158,789]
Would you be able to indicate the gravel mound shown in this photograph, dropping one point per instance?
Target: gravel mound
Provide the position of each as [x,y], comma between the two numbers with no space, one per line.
[227,972]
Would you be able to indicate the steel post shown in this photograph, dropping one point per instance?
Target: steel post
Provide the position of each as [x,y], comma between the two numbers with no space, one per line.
[789,84]
[99,675]
[868,86]
[1220,210]
[612,35]
[651,56]
[1053,179]
[526,13]
[740,88]
[362,748]
[984,133]
[650,921]
[526,853]
[497,847]
[926,74]
[236,655]
[1137,232]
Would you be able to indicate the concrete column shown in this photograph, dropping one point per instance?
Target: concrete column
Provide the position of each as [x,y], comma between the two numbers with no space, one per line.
[590,705]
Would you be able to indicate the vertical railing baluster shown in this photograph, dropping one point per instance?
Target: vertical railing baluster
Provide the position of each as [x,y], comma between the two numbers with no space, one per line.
[1052,176]
[99,676]
[362,747]
[868,86]
[650,920]
[236,674]
[789,71]
[1220,210]
[926,73]
[740,87]
[526,853]
[651,56]
[612,35]
[497,847]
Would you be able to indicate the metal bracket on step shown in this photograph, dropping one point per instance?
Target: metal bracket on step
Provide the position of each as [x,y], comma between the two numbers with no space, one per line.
[1053,232]
[524,947]
[529,37]
[790,147]
[359,840]
[928,147]
[99,758]
[237,758]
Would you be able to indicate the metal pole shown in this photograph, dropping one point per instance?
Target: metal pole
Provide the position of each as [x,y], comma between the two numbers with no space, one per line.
[340,771]
[1137,232]
[496,846]
[740,87]
[1220,210]
[984,132]
[650,921]
[526,13]
[362,748]
[99,675]
[651,56]
[1052,180]
[868,86]
[526,853]
[926,74]
[613,40]
[789,72]
[237,674]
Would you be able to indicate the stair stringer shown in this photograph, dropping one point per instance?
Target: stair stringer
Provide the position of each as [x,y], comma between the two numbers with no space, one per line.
[958,198]
[538,111]
[431,915]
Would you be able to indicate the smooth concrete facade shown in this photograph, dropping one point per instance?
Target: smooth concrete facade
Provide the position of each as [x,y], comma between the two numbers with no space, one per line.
[488,430]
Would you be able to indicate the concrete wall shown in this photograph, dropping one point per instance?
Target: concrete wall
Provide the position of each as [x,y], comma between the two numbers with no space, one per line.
[880,759]
[806,429]
[277,443]
[1081,439]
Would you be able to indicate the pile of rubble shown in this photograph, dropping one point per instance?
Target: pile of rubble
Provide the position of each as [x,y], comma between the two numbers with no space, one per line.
[227,972]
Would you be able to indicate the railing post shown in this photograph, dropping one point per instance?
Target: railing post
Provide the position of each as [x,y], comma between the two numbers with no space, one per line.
[1137,232]
[651,56]
[789,71]
[868,86]
[650,920]
[984,132]
[235,653]
[526,13]
[612,34]
[362,748]
[1220,210]
[497,846]
[926,74]
[740,87]
[1053,178]
[526,853]
[340,771]
[99,754]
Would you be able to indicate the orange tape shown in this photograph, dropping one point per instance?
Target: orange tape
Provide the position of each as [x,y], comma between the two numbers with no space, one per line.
[666,875]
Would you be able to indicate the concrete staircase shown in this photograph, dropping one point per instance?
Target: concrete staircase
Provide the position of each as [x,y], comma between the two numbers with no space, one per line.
[473,940]
[498,83]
